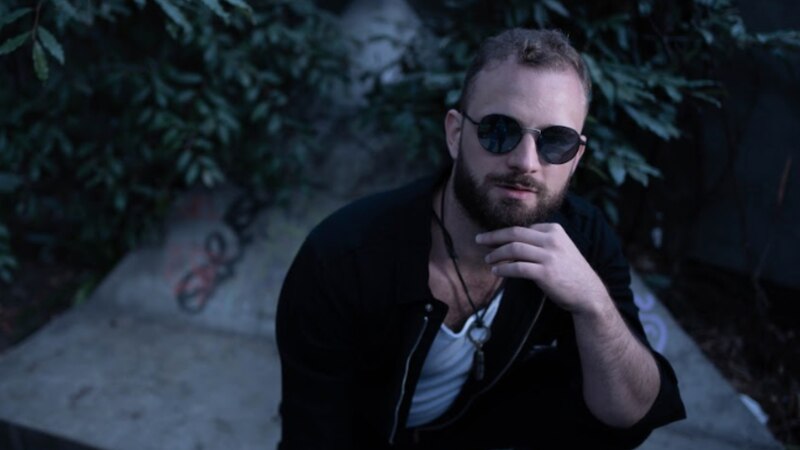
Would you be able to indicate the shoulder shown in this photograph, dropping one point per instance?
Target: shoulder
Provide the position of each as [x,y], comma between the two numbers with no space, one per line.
[587,227]
[579,214]
[401,214]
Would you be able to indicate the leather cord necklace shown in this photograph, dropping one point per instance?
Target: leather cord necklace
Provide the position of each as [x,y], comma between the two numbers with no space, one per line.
[473,332]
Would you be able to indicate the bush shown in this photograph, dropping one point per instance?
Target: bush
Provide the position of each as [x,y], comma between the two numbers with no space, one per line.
[649,61]
[110,108]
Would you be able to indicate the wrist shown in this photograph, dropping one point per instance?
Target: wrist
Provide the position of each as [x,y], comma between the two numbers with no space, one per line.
[599,308]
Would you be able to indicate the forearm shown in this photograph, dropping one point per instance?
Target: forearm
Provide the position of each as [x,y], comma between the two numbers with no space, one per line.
[620,376]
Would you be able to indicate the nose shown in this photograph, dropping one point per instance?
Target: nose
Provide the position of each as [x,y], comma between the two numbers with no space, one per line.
[525,157]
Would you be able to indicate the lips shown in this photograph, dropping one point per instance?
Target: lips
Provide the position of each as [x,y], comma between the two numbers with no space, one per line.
[518,187]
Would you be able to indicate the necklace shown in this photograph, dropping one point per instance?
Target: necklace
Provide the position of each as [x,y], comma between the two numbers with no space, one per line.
[478,333]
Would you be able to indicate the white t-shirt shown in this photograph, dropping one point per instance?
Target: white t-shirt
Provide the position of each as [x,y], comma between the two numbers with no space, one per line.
[446,368]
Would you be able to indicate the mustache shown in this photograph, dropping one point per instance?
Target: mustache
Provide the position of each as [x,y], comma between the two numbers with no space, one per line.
[517,179]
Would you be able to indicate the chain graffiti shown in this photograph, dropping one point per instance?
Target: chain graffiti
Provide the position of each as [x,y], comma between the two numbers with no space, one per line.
[654,326]
[195,288]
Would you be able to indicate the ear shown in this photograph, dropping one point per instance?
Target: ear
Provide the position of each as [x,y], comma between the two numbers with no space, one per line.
[452,130]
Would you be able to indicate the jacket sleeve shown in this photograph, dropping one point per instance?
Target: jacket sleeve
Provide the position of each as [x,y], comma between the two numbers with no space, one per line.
[314,332]
[603,251]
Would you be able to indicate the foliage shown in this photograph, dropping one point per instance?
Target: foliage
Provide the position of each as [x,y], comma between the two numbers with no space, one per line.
[109,108]
[648,61]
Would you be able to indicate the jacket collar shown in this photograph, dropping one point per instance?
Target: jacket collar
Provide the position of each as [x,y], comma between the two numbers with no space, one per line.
[413,232]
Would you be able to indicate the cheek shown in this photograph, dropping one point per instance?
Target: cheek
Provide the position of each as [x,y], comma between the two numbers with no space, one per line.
[559,178]
[574,165]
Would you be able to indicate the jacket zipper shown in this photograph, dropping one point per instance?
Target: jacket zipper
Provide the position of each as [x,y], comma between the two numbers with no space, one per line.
[497,378]
[405,380]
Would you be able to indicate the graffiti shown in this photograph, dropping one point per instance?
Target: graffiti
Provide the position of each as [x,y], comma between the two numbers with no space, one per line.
[219,254]
[197,206]
[654,326]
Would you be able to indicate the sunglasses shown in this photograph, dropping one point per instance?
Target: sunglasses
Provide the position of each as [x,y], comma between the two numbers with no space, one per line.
[500,134]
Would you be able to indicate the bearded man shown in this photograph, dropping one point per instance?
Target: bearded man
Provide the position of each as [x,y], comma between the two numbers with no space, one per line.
[483,308]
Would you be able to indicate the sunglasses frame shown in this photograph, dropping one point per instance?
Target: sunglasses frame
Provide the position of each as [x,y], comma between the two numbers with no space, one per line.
[535,131]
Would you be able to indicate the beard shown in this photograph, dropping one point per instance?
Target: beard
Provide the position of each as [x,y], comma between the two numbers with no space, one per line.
[508,212]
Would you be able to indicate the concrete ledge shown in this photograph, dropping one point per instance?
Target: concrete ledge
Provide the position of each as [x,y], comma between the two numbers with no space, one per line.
[116,382]
[716,418]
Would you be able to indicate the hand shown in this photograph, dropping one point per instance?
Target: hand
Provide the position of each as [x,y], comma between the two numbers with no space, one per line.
[545,254]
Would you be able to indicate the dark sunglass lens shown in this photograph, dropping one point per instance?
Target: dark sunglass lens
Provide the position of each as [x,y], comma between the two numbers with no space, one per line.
[498,133]
[559,144]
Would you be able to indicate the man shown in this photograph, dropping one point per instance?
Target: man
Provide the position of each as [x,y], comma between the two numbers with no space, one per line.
[486,308]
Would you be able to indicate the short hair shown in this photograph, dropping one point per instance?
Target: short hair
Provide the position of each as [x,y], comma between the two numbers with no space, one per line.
[545,49]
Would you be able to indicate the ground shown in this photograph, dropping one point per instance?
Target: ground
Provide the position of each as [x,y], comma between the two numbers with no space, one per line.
[756,348]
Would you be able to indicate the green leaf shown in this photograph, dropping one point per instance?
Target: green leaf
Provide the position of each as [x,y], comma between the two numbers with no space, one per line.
[707,36]
[673,92]
[14,43]
[66,7]
[51,44]
[556,7]
[184,96]
[639,176]
[707,98]
[120,200]
[239,4]
[605,85]
[617,169]
[175,14]
[622,37]
[661,128]
[611,211]
[40,62]
[13,16]
[274,124]
[259,112]
[184,160]
[191,174]
[214,5]
[452,97]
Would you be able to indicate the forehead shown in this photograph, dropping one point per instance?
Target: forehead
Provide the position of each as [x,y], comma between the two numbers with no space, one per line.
[535,96]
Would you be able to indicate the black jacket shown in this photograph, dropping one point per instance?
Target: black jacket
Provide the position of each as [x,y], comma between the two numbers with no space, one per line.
[356,318]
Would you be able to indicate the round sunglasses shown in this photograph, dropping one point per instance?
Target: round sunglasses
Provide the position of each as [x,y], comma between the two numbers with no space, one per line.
[500,134]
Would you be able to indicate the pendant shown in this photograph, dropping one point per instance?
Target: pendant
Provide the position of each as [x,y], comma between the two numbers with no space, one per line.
[478,335]
[478,365]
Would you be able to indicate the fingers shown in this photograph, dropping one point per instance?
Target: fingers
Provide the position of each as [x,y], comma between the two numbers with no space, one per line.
[541,234]
[506,235]
[518,269]
[518,251]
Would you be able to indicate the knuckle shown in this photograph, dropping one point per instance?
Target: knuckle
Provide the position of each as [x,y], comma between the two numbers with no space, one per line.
[509,269]
[518,231]
[517,247]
